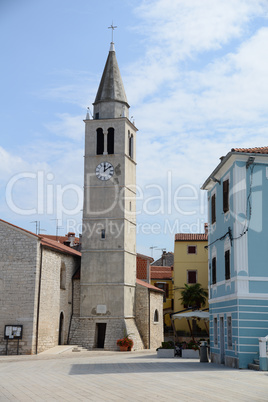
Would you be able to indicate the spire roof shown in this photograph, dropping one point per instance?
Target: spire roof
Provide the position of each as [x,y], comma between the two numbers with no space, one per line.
[111,87]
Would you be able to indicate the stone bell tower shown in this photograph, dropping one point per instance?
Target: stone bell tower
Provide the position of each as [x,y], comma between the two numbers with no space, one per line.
[108,266]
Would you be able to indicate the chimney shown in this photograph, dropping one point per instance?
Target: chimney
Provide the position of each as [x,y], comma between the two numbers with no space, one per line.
[71,238]
[206,228]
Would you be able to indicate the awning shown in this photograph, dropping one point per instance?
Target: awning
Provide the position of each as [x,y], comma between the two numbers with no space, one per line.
[192,314]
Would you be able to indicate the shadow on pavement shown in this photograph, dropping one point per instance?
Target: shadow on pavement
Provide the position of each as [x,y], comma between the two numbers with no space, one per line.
[130,367]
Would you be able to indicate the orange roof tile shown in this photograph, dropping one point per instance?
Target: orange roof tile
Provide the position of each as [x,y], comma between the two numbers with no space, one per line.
[191,237]
[146,257]
[59,247]
[17,227]
[147,285]
[158,272]
[61,239]
[257,150]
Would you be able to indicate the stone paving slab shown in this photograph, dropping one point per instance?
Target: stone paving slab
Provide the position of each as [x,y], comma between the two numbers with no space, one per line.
[130,376]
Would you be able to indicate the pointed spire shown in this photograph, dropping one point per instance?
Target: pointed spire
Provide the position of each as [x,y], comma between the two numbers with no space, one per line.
[111,94]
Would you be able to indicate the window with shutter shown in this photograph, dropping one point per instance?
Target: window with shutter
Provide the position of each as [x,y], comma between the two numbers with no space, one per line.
[229,332]
[191,249]
[227,264]
[165,287]
[213,208]
[192,276]
[225,189]
[214,279]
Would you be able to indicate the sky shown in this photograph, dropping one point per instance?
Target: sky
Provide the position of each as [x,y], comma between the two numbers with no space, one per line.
[196,78]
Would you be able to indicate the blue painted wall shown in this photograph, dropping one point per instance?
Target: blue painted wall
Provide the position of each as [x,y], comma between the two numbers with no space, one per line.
[250,313]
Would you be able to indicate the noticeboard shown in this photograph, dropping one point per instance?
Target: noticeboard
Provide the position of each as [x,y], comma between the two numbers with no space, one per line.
[13,332]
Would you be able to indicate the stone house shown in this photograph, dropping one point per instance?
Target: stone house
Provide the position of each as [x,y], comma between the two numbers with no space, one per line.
[40,291]
[35,290]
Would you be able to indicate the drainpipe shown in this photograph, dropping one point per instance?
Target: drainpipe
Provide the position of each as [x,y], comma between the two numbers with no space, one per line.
[38,300]
[72,312]
[149,343]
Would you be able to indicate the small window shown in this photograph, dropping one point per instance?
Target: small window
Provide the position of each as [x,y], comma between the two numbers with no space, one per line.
[229,332]
[156,316]
[192,277]
[97,116]
[100,141]
[110,141]
[225,194]
[191,249]
[130,146]
[215,331]
[213,208]
[102,234]
[227,264]
[214,279]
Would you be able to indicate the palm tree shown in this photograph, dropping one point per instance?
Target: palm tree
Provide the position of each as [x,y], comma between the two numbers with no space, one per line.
[193,296]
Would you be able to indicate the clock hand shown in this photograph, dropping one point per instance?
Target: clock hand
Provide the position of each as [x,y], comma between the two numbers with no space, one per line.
[106,168]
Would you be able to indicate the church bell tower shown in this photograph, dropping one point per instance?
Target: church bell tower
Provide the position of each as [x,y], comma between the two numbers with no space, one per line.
[108,266]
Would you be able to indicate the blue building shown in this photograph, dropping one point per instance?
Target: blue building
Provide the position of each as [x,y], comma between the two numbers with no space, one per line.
[238,256]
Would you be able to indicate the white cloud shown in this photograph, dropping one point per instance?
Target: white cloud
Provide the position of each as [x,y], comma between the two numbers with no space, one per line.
[67,126]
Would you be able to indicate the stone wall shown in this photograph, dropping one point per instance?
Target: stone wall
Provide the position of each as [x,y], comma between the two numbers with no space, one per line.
[142,313]
[147,302]
[156,319]
[19,276]
[84,332]
[56,298]
[76,297]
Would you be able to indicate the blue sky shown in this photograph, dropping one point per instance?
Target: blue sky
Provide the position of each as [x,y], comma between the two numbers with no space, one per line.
[196,77]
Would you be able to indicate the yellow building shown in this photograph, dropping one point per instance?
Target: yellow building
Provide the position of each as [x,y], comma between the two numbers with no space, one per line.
[190,267]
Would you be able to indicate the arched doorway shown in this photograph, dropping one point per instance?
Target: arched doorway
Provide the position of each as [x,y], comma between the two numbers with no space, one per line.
[61,329]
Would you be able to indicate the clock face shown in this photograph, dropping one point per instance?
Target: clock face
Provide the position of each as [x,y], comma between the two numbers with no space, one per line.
[104,171]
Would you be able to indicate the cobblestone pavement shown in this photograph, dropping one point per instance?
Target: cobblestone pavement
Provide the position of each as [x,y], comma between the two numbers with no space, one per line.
[129,376]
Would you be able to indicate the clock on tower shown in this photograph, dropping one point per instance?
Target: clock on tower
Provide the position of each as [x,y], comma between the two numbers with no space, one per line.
[108,265]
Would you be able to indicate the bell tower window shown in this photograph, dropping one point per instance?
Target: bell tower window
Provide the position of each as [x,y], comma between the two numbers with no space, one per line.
[130,145]
[100,141]
[110,141]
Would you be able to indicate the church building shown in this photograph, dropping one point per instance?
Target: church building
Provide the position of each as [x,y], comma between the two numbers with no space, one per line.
[108,265]
[59,295]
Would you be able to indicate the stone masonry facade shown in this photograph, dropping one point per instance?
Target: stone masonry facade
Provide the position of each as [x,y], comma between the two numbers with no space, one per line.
[35,290]
[56,298]
[19,275]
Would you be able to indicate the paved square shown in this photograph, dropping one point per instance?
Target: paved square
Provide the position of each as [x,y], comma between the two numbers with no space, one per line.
[129,376]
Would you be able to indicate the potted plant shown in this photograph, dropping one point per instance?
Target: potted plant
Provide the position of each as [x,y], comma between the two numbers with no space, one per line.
[166,349]
[190,350]
[125,343]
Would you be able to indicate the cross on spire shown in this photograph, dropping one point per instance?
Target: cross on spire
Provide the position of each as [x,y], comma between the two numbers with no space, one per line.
[113,28]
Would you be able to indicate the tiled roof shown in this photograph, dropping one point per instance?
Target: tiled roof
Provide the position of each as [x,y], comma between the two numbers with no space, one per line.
[257,150]
[46,242]
[158,272]
[17,227]
[146,257]
[167,259]
[61,239]
[191,236]
[59,247]
[147,285]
